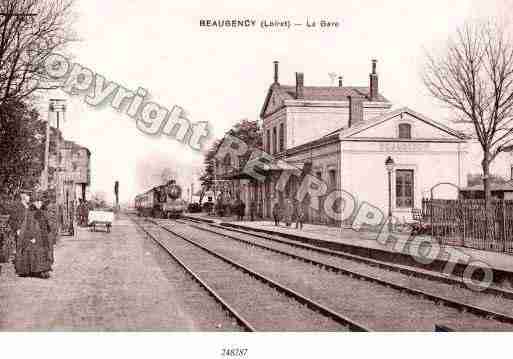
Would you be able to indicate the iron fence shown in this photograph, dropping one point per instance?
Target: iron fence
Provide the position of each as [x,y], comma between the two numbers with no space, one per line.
[469,223]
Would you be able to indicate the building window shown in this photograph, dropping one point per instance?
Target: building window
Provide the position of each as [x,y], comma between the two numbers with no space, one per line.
[268,142]
[404,130]
[282,137]
[333,178]
[404,188]
[275,141]
[226,164]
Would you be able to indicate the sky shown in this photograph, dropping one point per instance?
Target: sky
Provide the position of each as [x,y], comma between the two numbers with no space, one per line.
[222,76]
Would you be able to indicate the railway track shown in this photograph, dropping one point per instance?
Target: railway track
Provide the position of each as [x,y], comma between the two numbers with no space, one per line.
[390,267]
[403,269]
[322,259]
[254,300]
[225,306]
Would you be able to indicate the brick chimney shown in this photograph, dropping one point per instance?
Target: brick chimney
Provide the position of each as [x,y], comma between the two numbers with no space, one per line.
[299,86]
[355,110]
[373,82]
[340,81]
[276,72]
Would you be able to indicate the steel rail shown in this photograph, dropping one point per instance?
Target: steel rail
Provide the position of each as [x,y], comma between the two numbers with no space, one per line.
[492,289]
[477,310]
[312,304]
[239,318]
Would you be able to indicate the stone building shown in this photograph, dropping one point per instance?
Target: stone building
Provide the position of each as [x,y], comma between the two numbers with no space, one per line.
[339,138]
[301,123]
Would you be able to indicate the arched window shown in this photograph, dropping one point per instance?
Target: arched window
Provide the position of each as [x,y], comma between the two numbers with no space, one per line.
[404,130]
[227,160]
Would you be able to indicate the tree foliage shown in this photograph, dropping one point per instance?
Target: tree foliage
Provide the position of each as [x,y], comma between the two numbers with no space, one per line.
[207,177]
[21,147]
[249,132]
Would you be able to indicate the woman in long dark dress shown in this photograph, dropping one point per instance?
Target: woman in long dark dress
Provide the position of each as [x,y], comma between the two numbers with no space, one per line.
[35,257]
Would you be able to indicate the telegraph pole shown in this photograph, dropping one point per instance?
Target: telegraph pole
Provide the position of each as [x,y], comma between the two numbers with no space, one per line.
[55,105]
[116,192]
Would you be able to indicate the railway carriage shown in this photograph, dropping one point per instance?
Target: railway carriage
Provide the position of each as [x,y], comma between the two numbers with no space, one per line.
[162,201]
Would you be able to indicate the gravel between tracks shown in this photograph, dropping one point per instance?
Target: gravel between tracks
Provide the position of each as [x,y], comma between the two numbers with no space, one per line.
[264,307]
[481,299]
[209,315]
[369,303]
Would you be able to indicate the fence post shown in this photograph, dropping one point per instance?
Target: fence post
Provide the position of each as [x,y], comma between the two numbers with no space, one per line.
[463,220]
[432,219]
[503,229]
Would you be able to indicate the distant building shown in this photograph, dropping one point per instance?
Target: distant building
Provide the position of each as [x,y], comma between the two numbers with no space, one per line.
[76,165]
[498,190]
[70,172]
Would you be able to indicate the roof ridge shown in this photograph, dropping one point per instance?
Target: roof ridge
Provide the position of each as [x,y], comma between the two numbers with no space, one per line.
[363,125]
[326,87]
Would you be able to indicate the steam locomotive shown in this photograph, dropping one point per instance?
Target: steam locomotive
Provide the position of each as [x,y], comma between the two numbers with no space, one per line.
[162,201]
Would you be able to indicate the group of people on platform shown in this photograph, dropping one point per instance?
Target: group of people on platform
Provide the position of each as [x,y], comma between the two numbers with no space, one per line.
[241,209]
[83,209]
[34,221]
[236,207]
[289,212]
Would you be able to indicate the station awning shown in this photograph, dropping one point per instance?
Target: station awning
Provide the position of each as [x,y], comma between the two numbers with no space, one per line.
[277,166]
[265,169]
[236,175]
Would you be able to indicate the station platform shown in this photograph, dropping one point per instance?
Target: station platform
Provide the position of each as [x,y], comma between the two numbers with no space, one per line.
[401,249]
[117,281]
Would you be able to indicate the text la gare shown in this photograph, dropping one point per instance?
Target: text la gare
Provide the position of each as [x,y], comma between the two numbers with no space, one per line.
[321,23]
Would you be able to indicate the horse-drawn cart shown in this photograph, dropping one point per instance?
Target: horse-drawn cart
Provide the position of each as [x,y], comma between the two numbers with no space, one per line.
[100,218]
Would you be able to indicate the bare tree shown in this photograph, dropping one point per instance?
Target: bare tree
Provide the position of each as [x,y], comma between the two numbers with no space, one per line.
[30,30]
[474,76]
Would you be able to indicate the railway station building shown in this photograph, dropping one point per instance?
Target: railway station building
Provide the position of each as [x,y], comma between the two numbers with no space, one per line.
[343,135]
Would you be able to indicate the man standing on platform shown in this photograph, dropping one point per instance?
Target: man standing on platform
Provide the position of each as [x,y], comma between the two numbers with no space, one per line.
[252,209]
[80,212]
[277,213]
[288,211]
[87,208]
[17,214]
[299,214]
[52,210]
[242,209]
